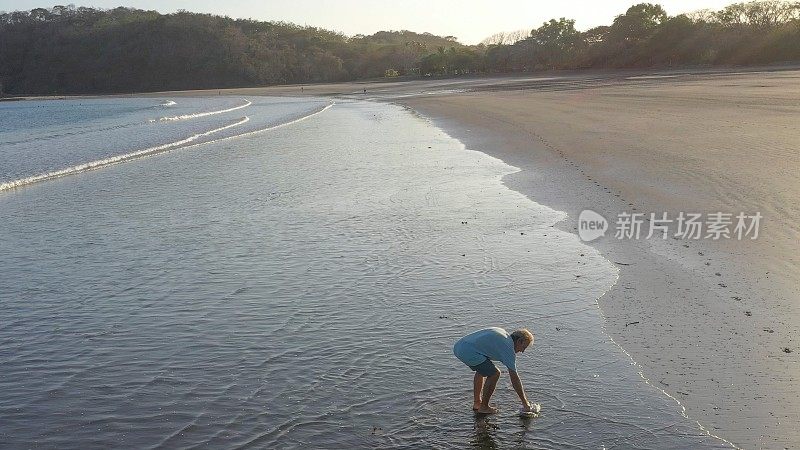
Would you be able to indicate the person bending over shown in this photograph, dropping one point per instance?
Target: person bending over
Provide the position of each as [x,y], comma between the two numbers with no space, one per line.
[479,349]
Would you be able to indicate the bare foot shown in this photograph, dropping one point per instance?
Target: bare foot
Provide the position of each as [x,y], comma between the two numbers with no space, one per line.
[476,406]
[485,409]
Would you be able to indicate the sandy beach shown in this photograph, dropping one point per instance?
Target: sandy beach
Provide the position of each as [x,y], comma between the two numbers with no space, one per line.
[711,323]
[280,272]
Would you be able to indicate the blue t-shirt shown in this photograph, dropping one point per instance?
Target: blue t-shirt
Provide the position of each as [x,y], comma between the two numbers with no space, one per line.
[493,343]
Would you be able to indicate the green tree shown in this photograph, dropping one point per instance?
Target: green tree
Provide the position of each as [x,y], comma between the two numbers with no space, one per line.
[557,42]
[638,23]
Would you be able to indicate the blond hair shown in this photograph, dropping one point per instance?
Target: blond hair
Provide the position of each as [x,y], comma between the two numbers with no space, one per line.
[524,335]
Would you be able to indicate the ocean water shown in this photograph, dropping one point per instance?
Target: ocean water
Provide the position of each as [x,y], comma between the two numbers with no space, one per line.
[290,286]
[42,140]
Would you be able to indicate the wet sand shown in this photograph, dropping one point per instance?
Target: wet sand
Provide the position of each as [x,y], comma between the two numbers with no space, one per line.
[713,324]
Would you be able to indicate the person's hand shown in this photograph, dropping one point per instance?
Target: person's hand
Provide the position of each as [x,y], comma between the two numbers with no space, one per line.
[531,408]
[527,406]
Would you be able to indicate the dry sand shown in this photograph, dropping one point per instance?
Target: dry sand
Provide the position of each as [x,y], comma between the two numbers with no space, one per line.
[709,322]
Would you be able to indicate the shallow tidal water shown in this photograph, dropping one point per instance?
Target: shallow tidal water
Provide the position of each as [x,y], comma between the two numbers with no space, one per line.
[303,287]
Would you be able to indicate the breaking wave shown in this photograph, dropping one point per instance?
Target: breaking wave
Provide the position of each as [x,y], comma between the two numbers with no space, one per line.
[202,114]
[183,143]
[100,163]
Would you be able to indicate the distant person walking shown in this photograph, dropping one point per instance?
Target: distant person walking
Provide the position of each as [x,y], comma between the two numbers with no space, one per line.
[479,349]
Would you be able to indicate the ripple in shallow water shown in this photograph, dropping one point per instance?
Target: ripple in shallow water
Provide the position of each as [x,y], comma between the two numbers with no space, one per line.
[304,288]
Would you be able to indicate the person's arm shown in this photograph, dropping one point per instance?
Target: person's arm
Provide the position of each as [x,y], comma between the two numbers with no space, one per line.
[517,383]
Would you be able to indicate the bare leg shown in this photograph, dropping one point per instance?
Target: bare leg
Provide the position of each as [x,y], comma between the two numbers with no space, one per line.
[477,387]
[488,390]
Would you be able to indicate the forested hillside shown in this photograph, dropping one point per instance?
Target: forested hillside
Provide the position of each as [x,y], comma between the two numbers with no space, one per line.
[72,50]
[85,50]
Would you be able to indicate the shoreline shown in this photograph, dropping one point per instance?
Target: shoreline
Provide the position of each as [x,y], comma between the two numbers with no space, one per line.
[728,373]
[516,181]
[706,322]
[490,81]
[386,240]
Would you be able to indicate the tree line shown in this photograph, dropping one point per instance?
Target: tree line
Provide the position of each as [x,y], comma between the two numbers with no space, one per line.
[66,49]
[752,33]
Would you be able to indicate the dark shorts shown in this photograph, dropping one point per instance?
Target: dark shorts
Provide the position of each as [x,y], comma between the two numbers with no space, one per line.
[486,368]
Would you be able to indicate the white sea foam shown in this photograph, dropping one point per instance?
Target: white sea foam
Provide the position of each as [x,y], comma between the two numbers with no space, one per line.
[169,103]
[204,114]
[114,159]
[150,151]
[280,125]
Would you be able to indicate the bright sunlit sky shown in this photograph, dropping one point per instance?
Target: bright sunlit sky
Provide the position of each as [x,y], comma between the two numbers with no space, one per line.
[469,20]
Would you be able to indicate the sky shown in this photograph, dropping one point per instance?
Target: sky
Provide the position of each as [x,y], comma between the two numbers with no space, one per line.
[469,20]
